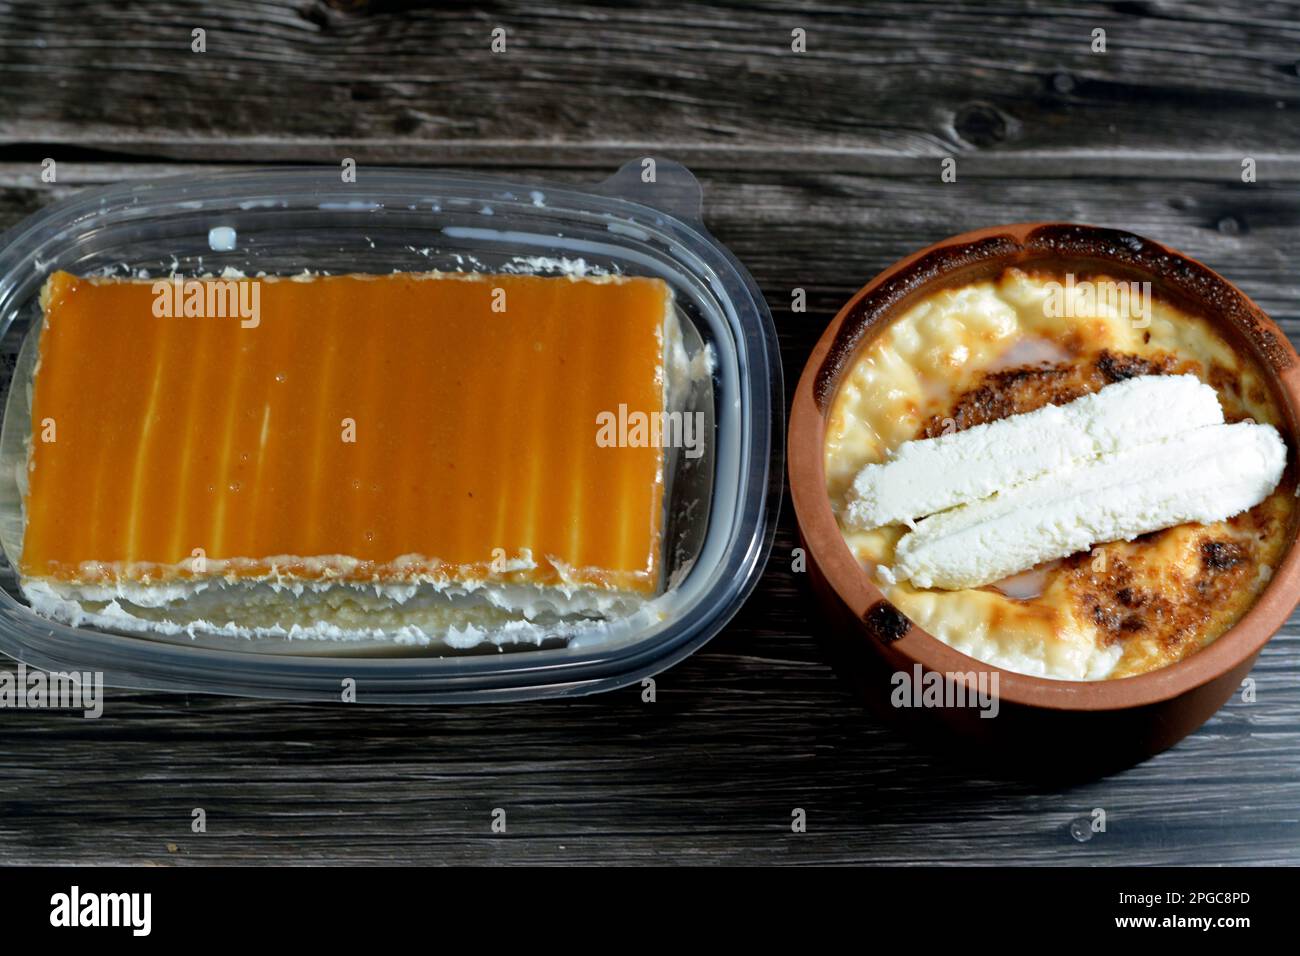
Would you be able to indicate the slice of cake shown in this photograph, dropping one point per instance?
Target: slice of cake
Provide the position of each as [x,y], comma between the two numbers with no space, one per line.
[336,455]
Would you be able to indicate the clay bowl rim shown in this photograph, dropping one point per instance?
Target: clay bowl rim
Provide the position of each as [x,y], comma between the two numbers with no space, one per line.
[1052,245]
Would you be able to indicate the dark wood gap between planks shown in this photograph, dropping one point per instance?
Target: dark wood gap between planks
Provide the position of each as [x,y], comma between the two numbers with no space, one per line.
[1204,166]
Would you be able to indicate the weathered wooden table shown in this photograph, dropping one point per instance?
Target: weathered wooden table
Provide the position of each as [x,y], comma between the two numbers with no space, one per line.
[819,169]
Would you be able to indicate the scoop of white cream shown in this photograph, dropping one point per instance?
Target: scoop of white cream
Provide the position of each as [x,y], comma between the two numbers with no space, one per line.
[927,476]
[1204,475]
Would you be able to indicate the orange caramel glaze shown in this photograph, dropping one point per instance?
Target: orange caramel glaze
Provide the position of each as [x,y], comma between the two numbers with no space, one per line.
[191,447]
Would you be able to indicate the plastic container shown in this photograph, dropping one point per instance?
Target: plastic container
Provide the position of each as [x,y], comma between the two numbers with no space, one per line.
[645,220]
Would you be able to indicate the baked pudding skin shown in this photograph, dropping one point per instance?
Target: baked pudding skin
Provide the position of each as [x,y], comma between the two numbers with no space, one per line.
[980,352]
[1057,728]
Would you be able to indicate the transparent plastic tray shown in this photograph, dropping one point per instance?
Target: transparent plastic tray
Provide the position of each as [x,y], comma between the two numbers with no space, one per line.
[721,507]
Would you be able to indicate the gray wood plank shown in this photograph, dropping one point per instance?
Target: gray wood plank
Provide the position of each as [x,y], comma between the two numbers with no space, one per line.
[742,733]
[715,84]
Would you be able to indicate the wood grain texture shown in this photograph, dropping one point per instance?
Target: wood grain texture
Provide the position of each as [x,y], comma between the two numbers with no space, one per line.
[817,173]
[713,84]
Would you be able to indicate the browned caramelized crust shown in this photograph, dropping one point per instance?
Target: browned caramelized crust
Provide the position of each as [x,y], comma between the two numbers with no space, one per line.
[1027,388]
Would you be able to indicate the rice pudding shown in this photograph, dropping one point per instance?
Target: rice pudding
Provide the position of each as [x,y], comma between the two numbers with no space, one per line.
[986,351]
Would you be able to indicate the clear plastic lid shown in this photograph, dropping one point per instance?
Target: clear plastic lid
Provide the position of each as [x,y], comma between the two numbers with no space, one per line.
[645,220]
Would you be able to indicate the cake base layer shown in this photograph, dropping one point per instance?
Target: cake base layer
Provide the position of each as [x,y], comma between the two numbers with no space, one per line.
[411,615]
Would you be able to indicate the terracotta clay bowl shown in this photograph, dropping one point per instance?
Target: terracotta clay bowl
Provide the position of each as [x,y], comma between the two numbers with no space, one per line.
[1043,725]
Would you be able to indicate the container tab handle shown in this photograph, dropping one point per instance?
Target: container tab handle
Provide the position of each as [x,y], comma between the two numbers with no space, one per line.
[662,184]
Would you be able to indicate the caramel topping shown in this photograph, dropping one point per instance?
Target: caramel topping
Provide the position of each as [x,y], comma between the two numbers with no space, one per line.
[365,428]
